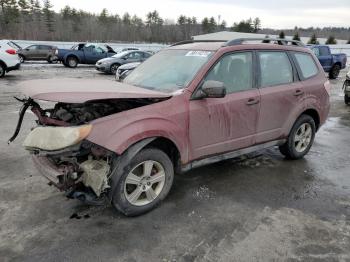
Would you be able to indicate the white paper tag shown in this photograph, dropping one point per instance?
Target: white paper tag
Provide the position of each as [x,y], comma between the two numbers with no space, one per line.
[198,53]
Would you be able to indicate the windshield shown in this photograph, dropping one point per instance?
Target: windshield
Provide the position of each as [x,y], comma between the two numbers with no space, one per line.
[121,54]
[168,70]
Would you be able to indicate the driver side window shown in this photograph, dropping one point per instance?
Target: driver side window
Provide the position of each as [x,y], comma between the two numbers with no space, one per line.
[235,71]
[99,50]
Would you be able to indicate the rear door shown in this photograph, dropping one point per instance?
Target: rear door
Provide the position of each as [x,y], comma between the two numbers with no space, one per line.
[43,52]
[280,92]
[218,125]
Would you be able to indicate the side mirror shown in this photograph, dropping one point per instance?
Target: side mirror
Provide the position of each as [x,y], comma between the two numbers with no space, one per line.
[213,89]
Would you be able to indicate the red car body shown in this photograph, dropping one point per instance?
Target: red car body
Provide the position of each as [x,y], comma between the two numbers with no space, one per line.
[193,131]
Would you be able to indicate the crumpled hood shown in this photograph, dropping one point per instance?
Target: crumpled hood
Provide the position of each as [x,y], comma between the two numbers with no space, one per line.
[73,90]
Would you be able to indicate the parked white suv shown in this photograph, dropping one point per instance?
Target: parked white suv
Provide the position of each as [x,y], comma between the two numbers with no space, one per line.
[9,59]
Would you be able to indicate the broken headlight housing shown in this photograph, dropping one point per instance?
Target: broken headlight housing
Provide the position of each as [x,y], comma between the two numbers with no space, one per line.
[56,138]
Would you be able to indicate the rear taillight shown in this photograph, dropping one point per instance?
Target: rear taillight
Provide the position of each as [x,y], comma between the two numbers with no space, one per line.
[327,86]
[11,51]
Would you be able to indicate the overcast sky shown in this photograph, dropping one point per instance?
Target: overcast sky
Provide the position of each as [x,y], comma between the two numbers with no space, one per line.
[274,14]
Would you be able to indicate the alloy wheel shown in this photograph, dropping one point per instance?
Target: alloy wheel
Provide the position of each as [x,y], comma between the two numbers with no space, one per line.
[144,183]
[303,137]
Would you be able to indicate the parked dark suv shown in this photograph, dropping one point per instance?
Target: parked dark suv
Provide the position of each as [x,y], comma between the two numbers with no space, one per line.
[189,105]
[38,52]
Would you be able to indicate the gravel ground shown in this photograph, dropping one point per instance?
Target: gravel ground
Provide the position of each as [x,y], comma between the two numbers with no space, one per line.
[259,207]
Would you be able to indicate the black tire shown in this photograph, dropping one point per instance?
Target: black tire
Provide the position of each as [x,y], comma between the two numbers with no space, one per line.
[21,58]
[49,59]
[347,100]
[72,62]
[334,73]
[52,59]
[119,199]
[289,148]
[113,69]
[2,70]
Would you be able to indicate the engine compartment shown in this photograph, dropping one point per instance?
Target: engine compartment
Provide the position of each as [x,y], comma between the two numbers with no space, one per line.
[77,114]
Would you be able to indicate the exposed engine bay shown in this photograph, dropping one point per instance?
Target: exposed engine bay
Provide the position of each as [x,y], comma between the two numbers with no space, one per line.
[80,168]
[82,113]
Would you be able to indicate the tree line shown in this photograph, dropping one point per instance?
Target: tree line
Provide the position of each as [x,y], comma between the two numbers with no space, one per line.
[36,20]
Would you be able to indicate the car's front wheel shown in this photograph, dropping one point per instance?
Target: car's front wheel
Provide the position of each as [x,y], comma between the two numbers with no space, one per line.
[144,183]
[300,139]
[114,68]
[2,70]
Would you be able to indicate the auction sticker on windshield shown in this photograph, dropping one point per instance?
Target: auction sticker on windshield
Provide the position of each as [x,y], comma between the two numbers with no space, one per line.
[198,53]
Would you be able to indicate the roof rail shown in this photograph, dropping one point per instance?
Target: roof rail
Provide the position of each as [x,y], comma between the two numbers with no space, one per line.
[279,41]
[197,41]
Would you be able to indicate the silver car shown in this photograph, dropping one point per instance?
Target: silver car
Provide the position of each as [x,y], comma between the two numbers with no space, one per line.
[110,65]
[124,70]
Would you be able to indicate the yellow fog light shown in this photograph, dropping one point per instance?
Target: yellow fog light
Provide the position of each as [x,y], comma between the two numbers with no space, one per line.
[55,138]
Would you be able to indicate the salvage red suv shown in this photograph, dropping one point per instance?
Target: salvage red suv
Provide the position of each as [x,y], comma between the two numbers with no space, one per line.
[189,105]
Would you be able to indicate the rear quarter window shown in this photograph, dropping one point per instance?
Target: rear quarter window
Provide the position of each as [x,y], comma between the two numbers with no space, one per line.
[306,65]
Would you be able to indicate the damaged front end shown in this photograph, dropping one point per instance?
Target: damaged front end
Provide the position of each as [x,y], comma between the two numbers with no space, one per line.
[82,170]
[61,152]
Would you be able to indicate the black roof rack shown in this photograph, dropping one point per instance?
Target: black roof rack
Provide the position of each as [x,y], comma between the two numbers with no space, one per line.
[279,41]
[197,41]
[240,41]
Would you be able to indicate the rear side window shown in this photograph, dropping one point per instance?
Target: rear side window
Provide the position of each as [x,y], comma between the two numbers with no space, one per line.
[306,64]
[275,69]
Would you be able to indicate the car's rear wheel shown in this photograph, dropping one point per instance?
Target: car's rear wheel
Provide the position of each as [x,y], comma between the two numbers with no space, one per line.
[2,70]
[347,99]
[334,73]
[72,61]
[300,139]
[114,68]
[21,58]
[144,183]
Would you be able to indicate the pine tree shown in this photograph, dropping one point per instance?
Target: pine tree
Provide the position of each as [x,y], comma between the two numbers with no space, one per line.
[48,16]
[212,25]
[282,35]
[296,37]
[24,6]
[257,24]
[313,40]
[331,40]
[205,25]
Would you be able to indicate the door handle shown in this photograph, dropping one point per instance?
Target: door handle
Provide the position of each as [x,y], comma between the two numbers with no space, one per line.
[252,101]
[298,92]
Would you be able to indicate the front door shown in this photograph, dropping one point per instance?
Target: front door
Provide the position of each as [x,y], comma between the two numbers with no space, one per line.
[218,125]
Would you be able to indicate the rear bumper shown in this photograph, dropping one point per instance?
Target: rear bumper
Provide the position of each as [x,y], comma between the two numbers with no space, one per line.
[11,68]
